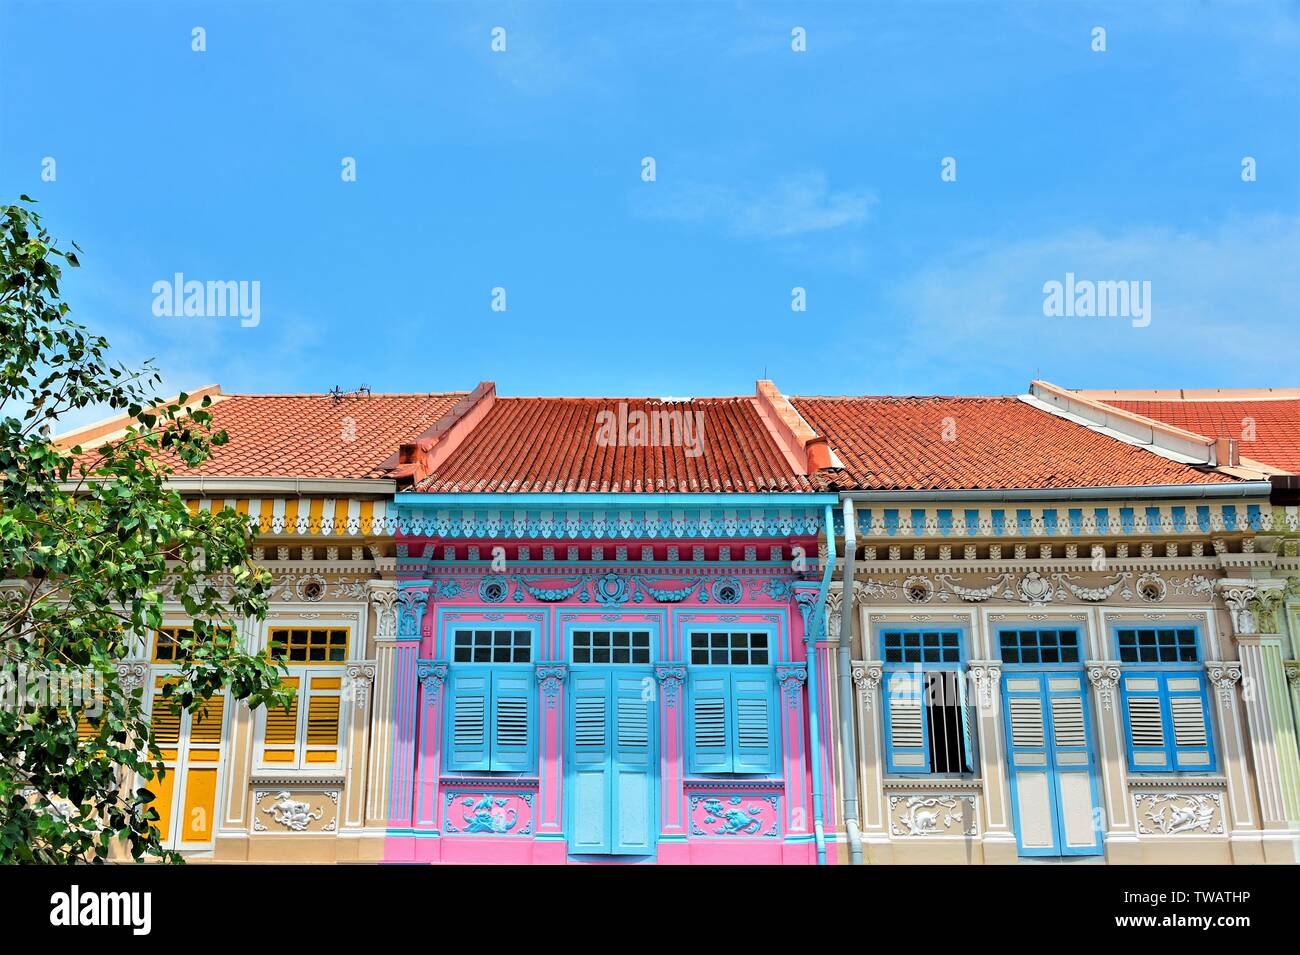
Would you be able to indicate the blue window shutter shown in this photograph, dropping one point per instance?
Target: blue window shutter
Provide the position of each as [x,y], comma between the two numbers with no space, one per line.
[1144,715]
[470,705]
[755,746]
[512,719]
[906,749]
[1188,707]
[709,737]
[590,762]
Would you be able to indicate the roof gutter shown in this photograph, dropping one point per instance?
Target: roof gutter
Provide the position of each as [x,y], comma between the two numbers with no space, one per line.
[1183,491]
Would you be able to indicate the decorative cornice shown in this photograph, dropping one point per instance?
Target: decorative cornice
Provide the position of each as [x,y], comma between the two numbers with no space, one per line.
[550,521]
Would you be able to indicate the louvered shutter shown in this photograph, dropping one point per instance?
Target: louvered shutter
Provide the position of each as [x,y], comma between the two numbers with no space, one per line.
[1068,731]
[710,692]
[512,707]
[906,750]
[752,705]
[1189,715]
[589,763]
[470,696]
[280,729]
[1148,751]
[205,723]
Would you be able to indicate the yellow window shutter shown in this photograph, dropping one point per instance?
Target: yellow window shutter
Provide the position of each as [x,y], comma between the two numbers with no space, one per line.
[165,721]
[205,723]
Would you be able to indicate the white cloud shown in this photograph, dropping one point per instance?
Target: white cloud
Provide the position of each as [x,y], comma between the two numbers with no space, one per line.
[796,205]
[1224,312]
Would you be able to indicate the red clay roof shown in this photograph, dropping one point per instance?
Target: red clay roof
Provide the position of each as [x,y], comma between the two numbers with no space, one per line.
[898,444]
[555,445]
[1267,430]
[313,436]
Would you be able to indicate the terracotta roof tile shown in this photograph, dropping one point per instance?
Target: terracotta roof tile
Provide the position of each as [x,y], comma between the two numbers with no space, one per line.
[1268,431]
[899,444]
[556,445]
[313,436]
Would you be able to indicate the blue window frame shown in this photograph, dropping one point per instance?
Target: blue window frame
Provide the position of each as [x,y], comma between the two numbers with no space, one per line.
[731,719]
[611,646]
[1040,647]
[1165,696]
[927,716]
[491,724]
[1157,645]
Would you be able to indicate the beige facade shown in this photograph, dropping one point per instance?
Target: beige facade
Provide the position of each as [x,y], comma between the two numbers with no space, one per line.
[1143,578]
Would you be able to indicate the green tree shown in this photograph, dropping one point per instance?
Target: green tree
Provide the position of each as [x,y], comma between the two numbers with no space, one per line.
[92,542]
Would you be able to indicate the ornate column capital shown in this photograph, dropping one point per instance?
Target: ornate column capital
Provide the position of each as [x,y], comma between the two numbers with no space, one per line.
[670,677]
[383,597]
[986,674]
[867,675]
[1292,668]
[550,677]
[410,610]
[131,674]
[1224,675]
[432,674]
[792,678]
[360,677]
[1104,677]
[1252,605]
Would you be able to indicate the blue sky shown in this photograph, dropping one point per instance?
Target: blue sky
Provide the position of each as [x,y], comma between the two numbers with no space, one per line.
[774,169]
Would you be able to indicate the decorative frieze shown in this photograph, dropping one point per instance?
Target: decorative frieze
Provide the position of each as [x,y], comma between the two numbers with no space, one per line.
[933,814]
[291,811]
[1172,813]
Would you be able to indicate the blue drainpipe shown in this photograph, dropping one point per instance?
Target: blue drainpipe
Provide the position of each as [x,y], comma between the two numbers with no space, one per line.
[817,623]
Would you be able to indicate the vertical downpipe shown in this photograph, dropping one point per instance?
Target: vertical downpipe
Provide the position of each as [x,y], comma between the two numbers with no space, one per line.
[817,622]
[848,738]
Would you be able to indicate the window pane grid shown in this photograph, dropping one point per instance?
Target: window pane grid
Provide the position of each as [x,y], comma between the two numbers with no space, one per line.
[167,642]
[1039,646]
[492,646]
[611,646]
[917,646]
[309,644]
[1158,645]
[730,648]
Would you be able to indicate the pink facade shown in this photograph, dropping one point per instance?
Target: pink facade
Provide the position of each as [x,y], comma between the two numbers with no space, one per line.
[637,701]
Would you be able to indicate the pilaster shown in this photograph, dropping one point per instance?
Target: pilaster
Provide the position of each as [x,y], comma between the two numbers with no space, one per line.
[1119,825]
[999,835]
